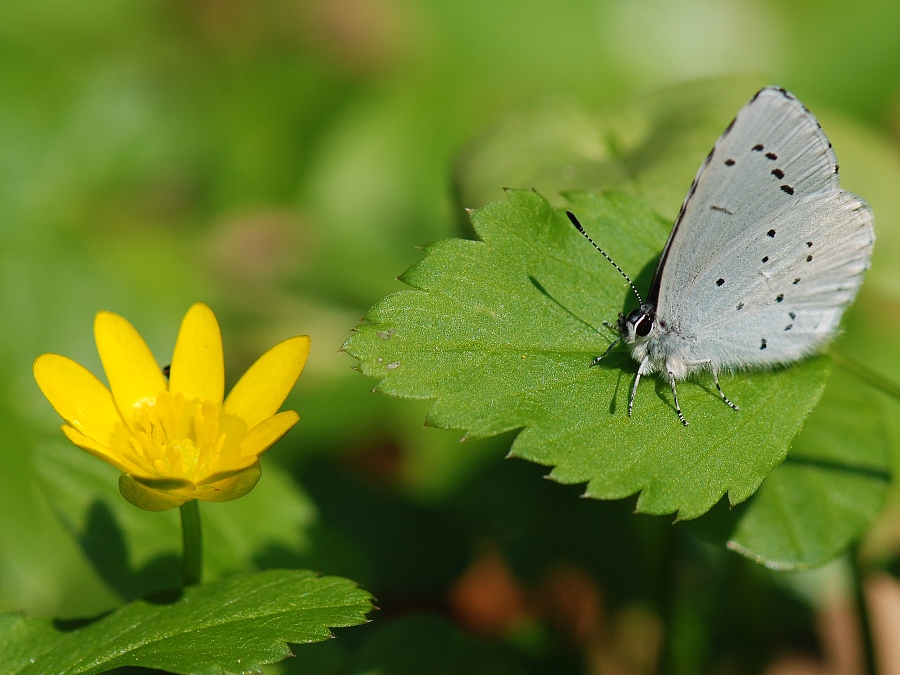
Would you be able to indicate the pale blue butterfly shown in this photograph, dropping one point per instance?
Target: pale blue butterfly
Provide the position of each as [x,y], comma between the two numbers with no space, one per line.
[765,255]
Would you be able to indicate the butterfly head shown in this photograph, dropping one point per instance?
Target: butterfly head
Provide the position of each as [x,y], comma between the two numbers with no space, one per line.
[638,324]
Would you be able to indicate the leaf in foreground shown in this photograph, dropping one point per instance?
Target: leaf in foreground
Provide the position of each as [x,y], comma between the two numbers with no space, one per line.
[233,625]
[500,332]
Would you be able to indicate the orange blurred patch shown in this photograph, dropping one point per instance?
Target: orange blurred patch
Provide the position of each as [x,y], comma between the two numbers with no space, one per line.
[570,600]
[487,599]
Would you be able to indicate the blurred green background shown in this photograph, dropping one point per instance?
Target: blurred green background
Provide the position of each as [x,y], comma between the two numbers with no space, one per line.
[281,160]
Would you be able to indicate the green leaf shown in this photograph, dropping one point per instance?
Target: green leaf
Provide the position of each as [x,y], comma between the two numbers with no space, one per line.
[819,501]
[500,333]
[233,625]
[429,644]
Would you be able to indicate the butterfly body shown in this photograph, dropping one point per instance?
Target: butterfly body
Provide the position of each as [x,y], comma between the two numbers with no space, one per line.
[665,349]
[766,253]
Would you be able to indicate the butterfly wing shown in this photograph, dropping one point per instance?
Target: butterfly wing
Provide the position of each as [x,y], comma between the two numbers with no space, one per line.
[767,250]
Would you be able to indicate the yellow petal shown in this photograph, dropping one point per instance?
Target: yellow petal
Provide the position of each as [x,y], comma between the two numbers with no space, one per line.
[268,432]
[133,374]
[263,388]
[148,498]
[94,448]
[79,397]
[198,369]
[233,487]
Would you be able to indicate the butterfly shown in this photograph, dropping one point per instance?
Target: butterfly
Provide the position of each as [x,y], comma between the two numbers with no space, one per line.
[766,253]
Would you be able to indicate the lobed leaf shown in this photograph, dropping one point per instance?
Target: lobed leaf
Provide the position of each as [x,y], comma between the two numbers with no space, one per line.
[500,332]
[233,626]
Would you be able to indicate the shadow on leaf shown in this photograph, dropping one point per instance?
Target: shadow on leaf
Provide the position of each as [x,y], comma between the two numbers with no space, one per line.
[104,545]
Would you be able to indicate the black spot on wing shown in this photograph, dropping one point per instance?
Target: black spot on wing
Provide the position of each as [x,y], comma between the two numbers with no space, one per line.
[771,233]
[788,189]
[779,297]
[721,209]
[765,259]
[772,156]
[740,306]
[792,315]
[758,147]
[796,281]
[809,244]
[729,162]
[720,281]
[762,344]
[809,258]
[778,173]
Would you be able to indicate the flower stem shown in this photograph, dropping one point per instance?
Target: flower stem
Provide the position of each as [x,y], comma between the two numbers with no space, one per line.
[192,540]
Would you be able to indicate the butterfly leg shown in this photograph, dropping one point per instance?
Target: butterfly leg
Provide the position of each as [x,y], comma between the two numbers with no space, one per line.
[675,396]
[608,350]
[643,369]
[715,377]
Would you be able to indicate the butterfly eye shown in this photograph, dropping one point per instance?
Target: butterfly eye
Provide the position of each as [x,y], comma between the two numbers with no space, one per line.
[641,320]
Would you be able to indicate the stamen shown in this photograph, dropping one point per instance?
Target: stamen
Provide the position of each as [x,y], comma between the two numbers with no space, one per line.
[174,437]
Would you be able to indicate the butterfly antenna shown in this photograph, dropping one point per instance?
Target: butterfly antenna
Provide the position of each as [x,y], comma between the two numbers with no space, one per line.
[605,255]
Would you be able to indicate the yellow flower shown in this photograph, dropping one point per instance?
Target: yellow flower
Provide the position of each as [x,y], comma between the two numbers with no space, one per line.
[174,440]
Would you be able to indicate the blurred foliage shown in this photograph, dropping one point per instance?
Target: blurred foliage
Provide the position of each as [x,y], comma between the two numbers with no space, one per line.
[280,160]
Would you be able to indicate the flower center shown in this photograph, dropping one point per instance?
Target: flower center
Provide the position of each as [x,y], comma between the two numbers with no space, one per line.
[176,438]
